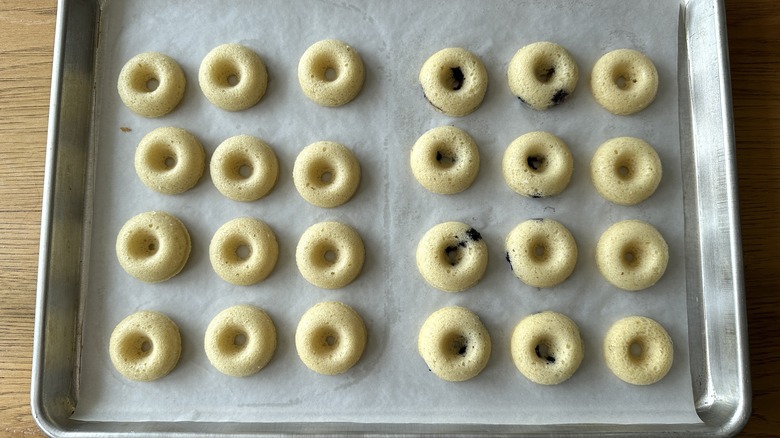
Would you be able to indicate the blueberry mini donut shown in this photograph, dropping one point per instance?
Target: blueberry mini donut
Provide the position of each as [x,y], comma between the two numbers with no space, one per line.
[452,256]
[330,255]
[547,348]
[244,168]
[542,75]
[151,84]
[454,344]
[233,77]
[153,246]
[326,174]
[240,340]
[243,251]
[541,252]
[624,81]
[632,255]
[330,338]
[454,81]
[537,164]
[169,160]
[445,160]
[145,346]
[625,170]
[331,73]
[638,350]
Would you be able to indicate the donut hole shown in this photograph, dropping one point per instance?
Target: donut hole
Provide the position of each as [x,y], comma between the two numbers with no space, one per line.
[325,68]
[239,340]
[631,255]
[144,79]
[330,74]
[232,340]
[232,80]
[146,346]
[143,244]
[624,78]
[445,158]
[326,339]
[169,162]
[243,252]
[245,170]
[160,157]
[321,174]
[326,177]
[330,340]
[538,250]
[237,167]
[545,73]
[225,73]
[545,352]
[454,254]
[326,255]
[152,84]
[452,78]
[455,345]
[536,162]
[636,349]
[330,256]
[137,346]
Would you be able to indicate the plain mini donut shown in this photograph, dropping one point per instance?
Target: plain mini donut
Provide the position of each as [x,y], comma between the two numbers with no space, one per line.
[445,160]
[452,256]
[330,254]
[145,346]
[244,251]
[233,77]
[244,168]
[638,350]
[541,252]
[240,340]
[547,347]
[454,81]
[326,174]
[624,81]
[625,170]
[542,75]
[537,164]
[330,338]
[331,73]
[153,246]
[169,160]
[632,255]
[454,344]
[136,89]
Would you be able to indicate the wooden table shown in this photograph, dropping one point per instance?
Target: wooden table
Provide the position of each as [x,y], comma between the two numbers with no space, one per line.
[26,50]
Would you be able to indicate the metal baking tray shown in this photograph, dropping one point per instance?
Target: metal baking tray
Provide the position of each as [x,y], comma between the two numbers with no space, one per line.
[715,295]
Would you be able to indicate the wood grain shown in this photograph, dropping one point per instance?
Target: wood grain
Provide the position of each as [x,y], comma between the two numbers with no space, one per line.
[26,46]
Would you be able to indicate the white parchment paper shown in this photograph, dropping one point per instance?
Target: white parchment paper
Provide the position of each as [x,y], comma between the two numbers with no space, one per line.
[390,210]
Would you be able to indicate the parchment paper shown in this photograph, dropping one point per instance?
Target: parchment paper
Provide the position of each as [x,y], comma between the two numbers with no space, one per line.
[391,211]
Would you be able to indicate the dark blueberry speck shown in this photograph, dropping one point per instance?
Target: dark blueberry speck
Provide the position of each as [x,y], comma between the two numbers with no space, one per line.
[462,244]
[559,97]
[522,100]
[462,351]
[549,359]
[474,235]
[509,261]
[457,78]
[535,196]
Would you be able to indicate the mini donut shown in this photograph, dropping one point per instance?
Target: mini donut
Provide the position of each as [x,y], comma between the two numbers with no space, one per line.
[326,174]
[240,340]
[638,350]
[445,160]
[151,84]
[542,75]
[244,168]
[153,246]
[243,251]
[632,255]
[169,160]
[452,256]
[541,252]
[537,164]
[331,73]
[145,346]
[625,170]
[330,255]
[454,344]
[330,338]
[233,77]
[624,81]
[547,348]
[454,81]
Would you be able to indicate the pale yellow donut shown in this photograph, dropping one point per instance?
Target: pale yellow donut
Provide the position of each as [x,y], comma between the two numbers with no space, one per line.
[330,255]
[537,164]
[541,252]
[452,256]
[330,338]
[326,174]
[625,170]
[240,340]
[244,251]
[145,346]
[244,168]
[445,160]
[233,77]
[632,255]
[136,79]
[169,160]
[547,348]
[454,81]
[542,75]
[624,81]
[638,350]
[153,246]
[331,73]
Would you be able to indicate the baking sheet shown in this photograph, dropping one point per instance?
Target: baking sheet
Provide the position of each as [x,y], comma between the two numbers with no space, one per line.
[390,210]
